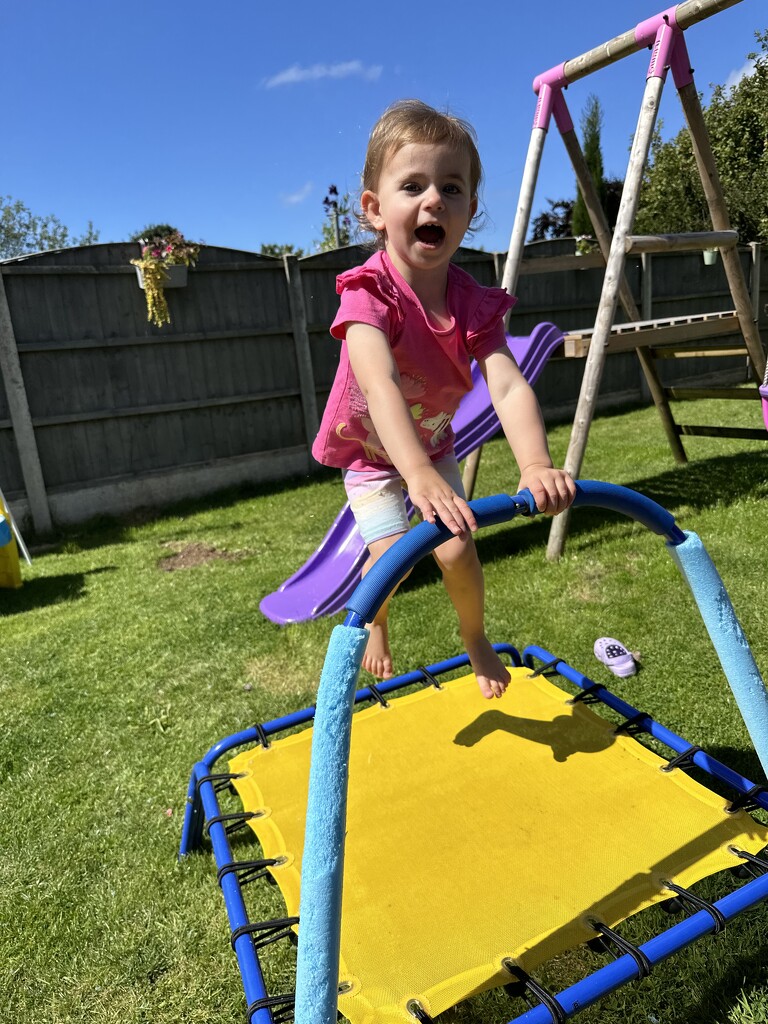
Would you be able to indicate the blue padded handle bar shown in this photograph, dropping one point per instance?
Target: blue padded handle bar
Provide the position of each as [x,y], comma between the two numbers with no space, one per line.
[371,593]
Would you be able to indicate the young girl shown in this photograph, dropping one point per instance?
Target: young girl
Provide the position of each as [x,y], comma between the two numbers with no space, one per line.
[409,322]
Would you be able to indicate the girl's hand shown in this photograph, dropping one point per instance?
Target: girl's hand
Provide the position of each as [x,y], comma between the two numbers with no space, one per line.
[553,490]
[434,498]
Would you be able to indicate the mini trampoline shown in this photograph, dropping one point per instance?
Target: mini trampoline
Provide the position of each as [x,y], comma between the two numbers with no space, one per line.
[454,823]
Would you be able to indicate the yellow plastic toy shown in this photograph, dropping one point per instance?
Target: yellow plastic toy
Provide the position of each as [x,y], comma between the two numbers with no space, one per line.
[10,572]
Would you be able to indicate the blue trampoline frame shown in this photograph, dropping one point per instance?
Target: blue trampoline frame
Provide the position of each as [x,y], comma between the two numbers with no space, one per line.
[203,809]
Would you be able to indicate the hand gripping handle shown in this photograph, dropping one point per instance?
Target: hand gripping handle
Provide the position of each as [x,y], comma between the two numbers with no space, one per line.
[371,593]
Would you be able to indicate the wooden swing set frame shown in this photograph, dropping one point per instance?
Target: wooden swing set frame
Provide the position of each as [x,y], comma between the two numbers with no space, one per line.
[664,35]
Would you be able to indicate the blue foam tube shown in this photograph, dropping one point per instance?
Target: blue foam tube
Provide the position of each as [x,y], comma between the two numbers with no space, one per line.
[728,638]
[317,966]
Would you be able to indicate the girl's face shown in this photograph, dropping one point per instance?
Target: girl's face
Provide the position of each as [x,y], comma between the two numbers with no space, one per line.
[423,204]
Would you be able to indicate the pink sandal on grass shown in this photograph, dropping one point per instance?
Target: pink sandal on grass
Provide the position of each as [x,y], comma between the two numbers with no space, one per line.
[615,656]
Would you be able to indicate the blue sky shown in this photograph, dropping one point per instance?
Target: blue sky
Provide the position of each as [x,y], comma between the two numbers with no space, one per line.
[231,119]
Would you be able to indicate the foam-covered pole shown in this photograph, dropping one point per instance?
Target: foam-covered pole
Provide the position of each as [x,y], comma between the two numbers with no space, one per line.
[728,638]
[317,968]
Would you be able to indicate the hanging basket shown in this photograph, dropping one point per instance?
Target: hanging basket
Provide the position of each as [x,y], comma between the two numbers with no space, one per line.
[710,257]
[177,276]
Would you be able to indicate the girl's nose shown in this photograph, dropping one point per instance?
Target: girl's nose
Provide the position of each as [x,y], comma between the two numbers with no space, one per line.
[433,198]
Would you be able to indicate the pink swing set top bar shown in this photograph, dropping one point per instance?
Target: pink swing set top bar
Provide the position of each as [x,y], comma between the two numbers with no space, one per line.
[663,33]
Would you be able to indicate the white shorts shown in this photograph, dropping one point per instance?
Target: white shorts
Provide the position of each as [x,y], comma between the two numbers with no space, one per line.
[377,498]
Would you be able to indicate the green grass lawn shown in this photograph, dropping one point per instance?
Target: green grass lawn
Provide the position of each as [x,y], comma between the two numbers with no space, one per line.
[119,671]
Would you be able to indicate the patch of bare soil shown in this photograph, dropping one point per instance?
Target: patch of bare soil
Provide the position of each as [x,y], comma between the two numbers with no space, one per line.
[187,556]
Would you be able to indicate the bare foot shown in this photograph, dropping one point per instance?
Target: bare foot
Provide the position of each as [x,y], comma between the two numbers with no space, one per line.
[490,671]
[378,658]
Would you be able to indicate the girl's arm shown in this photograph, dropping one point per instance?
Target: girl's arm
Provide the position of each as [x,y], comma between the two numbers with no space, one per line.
[518,410]
[376,373]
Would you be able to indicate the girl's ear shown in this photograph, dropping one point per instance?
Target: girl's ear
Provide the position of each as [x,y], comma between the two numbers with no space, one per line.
[472,209]
[371,207]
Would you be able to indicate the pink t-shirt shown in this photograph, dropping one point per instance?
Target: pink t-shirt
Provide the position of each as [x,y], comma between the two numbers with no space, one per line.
[433,363]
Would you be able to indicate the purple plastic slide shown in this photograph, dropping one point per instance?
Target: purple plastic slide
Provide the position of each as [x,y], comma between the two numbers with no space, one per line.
[326,580]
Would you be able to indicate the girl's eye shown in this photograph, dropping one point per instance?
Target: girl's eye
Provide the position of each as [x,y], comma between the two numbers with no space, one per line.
[411,186]
[452,190]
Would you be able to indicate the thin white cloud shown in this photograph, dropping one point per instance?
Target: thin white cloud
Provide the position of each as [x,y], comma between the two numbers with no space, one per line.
[316,72]
[746,69]
[294,198]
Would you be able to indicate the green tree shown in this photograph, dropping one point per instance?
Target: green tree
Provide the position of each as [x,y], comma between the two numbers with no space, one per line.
[22,231]
[554,222]
[671,197]
[612,199]
[274,249]
[337,227]
[154,231]
[591,126]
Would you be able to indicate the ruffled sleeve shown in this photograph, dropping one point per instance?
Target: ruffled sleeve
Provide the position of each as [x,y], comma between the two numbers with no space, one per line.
[369,297]
[485,329]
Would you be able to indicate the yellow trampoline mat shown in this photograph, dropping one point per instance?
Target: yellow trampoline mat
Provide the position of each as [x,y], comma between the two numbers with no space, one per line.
[478,831]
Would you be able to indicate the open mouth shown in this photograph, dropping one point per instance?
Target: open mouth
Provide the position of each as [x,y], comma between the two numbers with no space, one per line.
[430,234]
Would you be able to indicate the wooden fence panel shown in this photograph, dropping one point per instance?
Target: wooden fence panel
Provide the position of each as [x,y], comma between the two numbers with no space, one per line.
[112,397]
[11,480]
[318,280]
[120,407]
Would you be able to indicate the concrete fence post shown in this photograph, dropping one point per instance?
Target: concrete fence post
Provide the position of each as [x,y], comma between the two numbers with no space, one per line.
[21,420]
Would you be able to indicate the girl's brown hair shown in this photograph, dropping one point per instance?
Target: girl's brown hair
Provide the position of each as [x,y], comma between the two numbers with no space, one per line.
[411,121]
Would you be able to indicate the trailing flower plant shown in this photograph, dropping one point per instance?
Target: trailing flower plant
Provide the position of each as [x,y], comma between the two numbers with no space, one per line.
[157,253]
[585,244]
